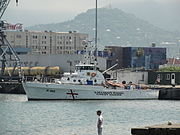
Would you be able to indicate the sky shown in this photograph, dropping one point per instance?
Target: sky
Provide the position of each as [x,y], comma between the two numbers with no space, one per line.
[162,13]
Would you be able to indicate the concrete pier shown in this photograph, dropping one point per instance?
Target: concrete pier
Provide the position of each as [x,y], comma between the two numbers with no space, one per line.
[163,129]
[11,88]
[169,94]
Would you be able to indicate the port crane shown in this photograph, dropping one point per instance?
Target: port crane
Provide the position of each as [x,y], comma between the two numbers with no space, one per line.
[8,56]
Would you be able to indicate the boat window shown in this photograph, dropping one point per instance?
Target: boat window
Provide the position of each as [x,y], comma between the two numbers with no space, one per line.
[68,78]
[87,68]
[91,68]
[95,80]
[78,68]
[74,80]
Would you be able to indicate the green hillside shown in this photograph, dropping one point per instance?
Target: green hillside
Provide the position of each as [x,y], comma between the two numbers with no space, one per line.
[115,27]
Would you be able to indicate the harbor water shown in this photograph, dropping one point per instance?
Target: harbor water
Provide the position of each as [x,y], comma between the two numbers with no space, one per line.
[21,117]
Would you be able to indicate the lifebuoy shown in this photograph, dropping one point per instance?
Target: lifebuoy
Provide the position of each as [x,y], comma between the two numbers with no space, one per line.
[93,74]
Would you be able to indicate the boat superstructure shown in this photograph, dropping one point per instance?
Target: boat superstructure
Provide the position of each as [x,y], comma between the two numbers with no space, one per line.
[85,74]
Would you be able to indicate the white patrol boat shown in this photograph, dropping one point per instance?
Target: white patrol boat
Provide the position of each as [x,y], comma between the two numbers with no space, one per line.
[85,83]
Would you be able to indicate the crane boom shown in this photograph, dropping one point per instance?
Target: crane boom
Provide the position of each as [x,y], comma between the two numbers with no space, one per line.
[7,53]
[3,6]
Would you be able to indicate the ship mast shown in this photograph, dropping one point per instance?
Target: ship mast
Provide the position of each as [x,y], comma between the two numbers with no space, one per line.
[96,34]
[93,53]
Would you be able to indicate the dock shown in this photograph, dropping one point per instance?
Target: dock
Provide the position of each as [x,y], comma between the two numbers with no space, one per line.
[169,93]
[11,87]
[162,129]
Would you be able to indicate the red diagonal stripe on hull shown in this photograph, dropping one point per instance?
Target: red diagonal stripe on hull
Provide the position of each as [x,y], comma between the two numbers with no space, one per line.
[71,93]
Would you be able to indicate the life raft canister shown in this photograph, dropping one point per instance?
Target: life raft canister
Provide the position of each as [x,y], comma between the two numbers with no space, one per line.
[93,74]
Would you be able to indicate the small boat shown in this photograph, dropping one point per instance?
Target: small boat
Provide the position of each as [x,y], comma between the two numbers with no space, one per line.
[86,83]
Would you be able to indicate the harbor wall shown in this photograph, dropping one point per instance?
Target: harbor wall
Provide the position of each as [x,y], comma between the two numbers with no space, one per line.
[169,94]
[163,129]
[11,88]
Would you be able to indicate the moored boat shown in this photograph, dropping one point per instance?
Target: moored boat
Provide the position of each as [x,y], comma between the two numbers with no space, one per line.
[85,83]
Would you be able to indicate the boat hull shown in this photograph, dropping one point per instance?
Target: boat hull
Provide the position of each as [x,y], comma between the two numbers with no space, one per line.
[49,91]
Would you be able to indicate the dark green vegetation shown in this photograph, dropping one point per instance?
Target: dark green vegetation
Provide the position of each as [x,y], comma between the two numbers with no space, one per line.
[115,27]
[170,69]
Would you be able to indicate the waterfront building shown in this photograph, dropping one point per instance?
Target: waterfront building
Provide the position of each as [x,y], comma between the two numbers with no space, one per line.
[146,77]
[46,42]
[42,44]
[171,62]
[172,48]
[136,77]
[66,62]
[146,58]
[164,78]
[49,48]
[115,57]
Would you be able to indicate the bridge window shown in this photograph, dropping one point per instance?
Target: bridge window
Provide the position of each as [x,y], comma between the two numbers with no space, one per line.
[85,68]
